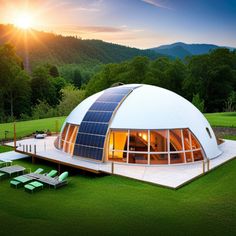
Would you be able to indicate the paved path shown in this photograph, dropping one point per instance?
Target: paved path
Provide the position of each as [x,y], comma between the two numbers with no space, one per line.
[11,156]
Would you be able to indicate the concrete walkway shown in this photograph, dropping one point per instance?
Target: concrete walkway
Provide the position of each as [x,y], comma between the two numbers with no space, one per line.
[11,156]
[172,176]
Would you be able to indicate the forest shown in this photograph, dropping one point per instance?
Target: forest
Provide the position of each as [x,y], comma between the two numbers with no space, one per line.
[208,81]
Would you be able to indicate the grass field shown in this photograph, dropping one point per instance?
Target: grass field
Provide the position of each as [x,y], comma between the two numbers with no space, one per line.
[112,205]
[224,119]
[24,128]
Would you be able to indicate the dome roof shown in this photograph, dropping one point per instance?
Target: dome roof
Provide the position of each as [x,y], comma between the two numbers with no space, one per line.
[151,107]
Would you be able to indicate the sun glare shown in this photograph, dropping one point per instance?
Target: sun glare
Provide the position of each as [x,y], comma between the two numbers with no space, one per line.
[23,21]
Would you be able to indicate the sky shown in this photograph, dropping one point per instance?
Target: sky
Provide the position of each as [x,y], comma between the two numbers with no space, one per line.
[135,23]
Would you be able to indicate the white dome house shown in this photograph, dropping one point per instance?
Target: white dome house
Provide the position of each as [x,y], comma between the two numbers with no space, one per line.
[138,124]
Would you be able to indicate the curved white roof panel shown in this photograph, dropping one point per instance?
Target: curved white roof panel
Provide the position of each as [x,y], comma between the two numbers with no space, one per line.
[151,107]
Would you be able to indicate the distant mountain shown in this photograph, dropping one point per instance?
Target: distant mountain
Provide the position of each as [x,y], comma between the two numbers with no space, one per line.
[181,50]
[37,47]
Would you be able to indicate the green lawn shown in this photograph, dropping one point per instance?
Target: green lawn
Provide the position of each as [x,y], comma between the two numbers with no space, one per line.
[112,205]
[226,119]
[24,128]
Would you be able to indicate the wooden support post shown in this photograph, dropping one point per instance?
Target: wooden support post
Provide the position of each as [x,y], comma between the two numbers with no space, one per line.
[59,168]
[26,148]
[208,165]
[14,127]
[35,149]
[56,126]
[23,147]
[112,167]
[203,166]
[30,148]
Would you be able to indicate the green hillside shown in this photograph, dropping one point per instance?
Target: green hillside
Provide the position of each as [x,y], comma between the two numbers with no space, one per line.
[56,49]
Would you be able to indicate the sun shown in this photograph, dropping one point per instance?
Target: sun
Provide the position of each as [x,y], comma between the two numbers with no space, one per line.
[23,21]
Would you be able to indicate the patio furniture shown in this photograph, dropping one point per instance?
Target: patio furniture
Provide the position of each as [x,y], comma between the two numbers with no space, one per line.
[3,176]
[11,170]
[62,180]
[39,171]
[52,173]
[19,181]
[33,186]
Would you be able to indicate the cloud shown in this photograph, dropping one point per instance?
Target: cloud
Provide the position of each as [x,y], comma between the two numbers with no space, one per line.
[155,3]
[85,9]
[91,29]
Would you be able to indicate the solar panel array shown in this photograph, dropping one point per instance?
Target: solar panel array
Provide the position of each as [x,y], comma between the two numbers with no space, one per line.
[93,128]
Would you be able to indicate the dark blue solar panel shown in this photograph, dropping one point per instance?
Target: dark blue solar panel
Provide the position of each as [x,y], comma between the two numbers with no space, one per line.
[111,97]
[91,140]
[103,106]
[98,116]
[89,152]
[93,128]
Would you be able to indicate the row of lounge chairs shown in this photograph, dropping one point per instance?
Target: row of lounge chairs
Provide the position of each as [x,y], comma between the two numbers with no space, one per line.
[37,180]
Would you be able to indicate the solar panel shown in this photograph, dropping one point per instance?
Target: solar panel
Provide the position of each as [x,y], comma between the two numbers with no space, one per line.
[91,136]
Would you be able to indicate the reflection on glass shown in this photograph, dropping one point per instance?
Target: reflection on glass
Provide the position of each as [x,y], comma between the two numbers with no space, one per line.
[175,140]
[157,159]
[197,155]
[158,141]
[176,158]
[138,141]
[117,156]
[138,158]
[187,141]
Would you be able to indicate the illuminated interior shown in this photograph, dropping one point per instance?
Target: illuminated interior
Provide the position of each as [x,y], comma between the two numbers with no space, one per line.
[67,138]
[154,146]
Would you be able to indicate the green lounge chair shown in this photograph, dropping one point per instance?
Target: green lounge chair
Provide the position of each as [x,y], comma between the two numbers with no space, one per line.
[39,171]
[52,173]
[19,181]
[33,186]
[62,180]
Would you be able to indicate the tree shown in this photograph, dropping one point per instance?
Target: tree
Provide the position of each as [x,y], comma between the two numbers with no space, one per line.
[42,87]
[15,87]
[198,102]
[53,71]
[71,97]
[230,104]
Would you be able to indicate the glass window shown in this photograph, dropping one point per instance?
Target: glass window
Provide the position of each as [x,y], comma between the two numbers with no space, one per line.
[176,140]
[117,156]
[63,135]
[197,155]
[138,158]
[138,141]
[158,141]
[176,158]
[118,140]
[189,156]
[195,143]
[157,159]
[187,140]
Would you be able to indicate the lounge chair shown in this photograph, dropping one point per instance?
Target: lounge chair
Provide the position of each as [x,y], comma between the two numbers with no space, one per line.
[62,180]
[33,186]
[39,171]
[19,181]
[52,173]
